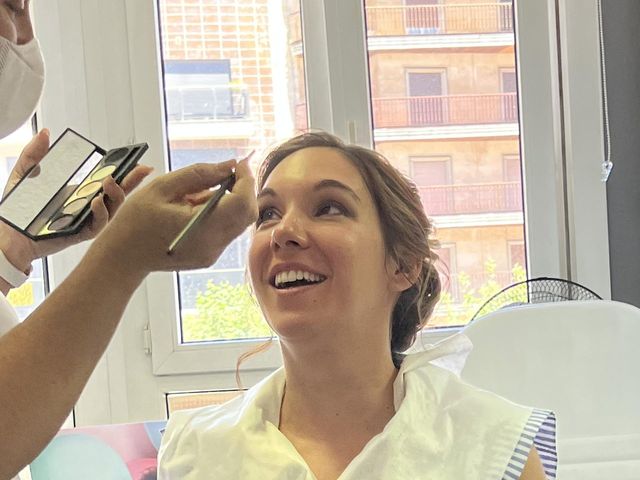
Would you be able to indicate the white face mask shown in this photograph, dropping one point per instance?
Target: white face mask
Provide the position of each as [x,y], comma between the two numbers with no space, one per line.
[21,83]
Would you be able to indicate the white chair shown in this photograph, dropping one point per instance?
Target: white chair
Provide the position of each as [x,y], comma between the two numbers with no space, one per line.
[579,359]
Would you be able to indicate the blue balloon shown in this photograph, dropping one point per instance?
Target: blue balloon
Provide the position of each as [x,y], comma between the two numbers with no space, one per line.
[79,457]
[155,431]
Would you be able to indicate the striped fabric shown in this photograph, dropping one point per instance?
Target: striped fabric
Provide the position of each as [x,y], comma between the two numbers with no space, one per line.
[540,431]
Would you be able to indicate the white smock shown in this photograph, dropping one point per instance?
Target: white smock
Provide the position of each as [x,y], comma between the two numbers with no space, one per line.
[8,316]
[443,429]
[8,320]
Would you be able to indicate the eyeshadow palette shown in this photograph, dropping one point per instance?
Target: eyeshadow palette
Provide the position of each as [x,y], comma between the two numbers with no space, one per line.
[54,198]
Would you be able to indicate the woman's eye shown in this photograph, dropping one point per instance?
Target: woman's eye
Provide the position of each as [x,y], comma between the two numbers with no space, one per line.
[332,208]
[265,214]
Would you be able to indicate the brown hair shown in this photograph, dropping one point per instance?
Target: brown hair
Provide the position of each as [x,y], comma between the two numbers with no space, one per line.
[406,229]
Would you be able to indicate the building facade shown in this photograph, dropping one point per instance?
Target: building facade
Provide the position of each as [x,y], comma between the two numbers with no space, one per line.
[443,101]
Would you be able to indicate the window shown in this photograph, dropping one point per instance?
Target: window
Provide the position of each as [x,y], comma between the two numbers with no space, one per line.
[433,179]
[462,99]
[201,90]
[509,89]
[335,81]
[187,400]
[28,296]
[512,186]
[517,256]
[427,104]
[231,86]
[511,170]
[448,270]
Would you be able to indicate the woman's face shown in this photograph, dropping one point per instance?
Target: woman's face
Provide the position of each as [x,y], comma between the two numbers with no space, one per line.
[318,219]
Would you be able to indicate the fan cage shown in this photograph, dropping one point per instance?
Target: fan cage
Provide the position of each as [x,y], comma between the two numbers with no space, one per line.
[536,290]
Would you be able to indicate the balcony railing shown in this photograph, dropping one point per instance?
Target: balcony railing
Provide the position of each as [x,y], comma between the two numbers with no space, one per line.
[439,19]
[445,110]
[472,199]
[205,103]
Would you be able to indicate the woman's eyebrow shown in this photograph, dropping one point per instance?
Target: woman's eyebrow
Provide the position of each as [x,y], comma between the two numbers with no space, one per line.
[328,183]
[321,185]
[266,192]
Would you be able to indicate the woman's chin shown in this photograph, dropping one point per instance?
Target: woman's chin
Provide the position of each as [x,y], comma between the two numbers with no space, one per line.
[295,327]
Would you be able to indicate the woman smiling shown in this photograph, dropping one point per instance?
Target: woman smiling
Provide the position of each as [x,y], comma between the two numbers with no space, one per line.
[342,264]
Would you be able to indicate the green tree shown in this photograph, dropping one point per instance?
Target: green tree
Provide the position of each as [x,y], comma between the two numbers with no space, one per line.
[451,313]
[225,311]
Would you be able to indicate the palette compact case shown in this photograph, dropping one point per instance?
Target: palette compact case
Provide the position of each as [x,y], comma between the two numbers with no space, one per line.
[54,198]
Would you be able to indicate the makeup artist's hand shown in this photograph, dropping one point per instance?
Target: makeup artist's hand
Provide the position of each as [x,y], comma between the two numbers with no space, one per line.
[24,28]
[21,250]
[138,238]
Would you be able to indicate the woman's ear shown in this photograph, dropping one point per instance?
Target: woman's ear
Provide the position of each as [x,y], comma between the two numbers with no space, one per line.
[403,280]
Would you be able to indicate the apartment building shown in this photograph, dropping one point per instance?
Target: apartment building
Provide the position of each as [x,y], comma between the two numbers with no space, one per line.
[443,102]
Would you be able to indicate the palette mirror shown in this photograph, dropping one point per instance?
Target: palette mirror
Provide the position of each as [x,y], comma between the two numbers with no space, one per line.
[54,198]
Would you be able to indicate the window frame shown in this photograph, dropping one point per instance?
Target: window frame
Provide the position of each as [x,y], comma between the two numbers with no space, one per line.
[337,102]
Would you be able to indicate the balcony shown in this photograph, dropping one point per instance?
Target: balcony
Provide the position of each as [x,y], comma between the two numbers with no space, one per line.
[458,19]
[403,112]
[472,199]
[206,103]
[192,109]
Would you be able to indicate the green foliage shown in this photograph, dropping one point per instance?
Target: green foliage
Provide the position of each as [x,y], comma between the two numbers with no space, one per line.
[451,313]
[225,311]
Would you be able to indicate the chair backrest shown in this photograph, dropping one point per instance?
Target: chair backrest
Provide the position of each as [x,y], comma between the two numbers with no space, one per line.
[579,359]
[106,452]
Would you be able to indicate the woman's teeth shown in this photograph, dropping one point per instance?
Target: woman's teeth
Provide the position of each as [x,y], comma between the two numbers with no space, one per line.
[285,279]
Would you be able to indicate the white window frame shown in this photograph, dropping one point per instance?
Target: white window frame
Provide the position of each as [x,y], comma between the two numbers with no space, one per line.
[108,50]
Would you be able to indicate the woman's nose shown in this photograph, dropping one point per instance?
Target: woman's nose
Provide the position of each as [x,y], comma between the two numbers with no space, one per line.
[289,232]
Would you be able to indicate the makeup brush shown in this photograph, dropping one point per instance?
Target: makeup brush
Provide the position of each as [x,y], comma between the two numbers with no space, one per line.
[227,184]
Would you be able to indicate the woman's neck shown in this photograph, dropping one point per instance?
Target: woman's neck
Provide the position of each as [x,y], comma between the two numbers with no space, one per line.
[344,390]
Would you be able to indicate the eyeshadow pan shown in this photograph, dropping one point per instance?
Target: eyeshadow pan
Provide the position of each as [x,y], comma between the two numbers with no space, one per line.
[75,206]
[116,155]
[60,223]
[103,172]
[89,189]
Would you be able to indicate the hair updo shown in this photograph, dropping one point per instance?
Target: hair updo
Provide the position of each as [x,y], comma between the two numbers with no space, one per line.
[406,230]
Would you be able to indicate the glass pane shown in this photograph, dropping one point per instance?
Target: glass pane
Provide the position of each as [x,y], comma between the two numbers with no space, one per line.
[184,401]
[234,82]
[445,111]
[27,297]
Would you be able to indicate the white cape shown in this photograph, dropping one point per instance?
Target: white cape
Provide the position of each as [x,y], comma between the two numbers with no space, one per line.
[443,429]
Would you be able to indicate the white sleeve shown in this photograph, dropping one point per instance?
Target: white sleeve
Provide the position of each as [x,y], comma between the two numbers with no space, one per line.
[8,320]
[8,316]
